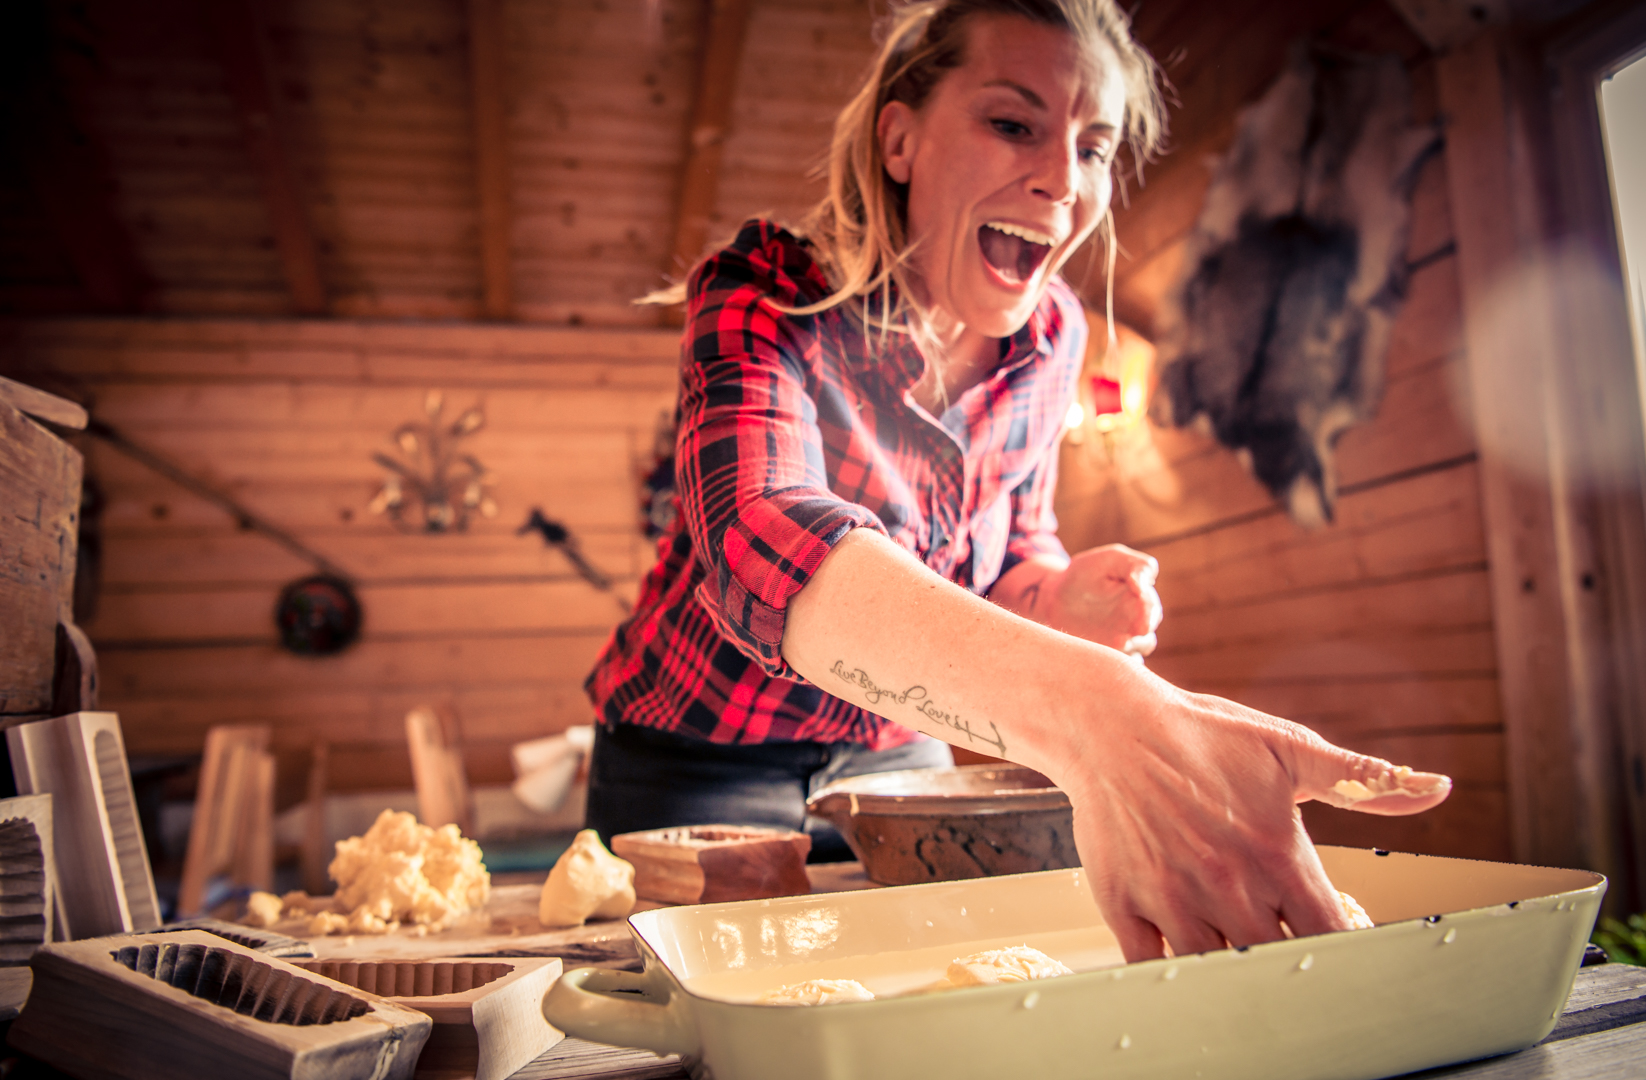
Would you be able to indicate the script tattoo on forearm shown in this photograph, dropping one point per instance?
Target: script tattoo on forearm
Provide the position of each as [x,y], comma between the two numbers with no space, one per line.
[916,698]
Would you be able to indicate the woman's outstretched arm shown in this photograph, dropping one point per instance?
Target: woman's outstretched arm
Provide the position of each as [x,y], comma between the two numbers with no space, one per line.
[1185,805]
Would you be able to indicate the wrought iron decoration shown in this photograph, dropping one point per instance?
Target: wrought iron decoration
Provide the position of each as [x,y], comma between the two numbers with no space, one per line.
[433,486]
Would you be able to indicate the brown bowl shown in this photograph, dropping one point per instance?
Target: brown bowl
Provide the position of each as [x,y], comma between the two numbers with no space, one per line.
[922,825]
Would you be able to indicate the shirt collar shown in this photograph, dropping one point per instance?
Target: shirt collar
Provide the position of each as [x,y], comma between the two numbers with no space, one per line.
[894,356]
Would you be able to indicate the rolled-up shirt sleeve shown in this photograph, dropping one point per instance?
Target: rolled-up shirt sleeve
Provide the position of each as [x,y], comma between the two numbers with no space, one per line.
[749,454]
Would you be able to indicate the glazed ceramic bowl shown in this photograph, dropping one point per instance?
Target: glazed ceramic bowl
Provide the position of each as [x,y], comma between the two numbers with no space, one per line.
[922,825]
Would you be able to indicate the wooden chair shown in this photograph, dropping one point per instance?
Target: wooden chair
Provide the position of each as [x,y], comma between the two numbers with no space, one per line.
[437,770]
[233,829]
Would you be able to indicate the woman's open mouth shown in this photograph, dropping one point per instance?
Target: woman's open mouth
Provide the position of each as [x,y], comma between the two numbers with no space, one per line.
[1013,251]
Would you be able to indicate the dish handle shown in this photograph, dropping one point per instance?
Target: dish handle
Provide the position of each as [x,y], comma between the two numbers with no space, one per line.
[620,1008]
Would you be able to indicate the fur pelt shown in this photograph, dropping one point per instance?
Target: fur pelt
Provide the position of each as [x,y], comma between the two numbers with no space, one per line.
[1276,332]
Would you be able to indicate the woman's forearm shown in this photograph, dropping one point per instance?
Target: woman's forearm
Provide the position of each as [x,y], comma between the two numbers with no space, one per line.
[875,627]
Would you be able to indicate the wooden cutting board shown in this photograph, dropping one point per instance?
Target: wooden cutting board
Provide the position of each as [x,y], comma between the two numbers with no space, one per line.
[508,926]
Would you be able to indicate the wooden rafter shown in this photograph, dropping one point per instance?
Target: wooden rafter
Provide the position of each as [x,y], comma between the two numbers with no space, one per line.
[727,26]
[241,48]
[491,156]
[67,168]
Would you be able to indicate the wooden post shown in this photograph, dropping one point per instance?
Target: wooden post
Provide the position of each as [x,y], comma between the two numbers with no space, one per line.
[231,783]
[722,52]
[317,853]
[1537,456]
[492,171]
[242,50]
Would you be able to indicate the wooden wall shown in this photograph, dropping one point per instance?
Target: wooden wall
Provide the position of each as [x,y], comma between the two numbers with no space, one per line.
[284,416]
[1375,630]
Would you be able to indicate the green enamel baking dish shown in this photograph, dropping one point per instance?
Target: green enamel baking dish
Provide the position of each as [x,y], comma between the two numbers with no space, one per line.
[1468,960]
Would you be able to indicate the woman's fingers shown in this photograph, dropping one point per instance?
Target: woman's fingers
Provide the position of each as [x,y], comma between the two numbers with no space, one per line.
[1371,785]
[1139,938]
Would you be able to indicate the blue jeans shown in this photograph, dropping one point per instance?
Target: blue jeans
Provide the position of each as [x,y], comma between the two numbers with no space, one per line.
[641,778]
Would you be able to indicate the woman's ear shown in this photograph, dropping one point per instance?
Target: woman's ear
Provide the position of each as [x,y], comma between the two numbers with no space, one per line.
[896,129]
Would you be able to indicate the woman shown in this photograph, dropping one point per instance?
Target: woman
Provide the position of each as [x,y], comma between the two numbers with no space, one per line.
[865,549]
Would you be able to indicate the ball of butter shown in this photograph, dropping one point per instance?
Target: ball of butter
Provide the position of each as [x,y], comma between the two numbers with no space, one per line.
[1019,963]
[588,881]
[817,992]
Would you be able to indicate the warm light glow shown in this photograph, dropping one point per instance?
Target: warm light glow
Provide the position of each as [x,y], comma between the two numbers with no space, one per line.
[1127,362]
[1075,416]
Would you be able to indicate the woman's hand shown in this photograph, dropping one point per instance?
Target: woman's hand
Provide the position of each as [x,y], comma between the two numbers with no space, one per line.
[1184,804]
[1105,594]
[1186,819]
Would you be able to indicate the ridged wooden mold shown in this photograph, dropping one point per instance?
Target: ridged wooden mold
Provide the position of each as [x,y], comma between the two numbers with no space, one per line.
[27,877]
[191,1004]
[488,1014]
[107,886]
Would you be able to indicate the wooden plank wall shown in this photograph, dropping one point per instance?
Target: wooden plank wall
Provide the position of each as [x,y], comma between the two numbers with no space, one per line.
[376,104]
[284,416]
[1375,630]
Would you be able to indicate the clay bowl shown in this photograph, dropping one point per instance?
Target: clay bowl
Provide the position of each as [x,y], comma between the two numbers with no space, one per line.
[922,825]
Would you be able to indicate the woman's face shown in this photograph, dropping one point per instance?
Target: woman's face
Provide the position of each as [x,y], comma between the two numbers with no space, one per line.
[1007,167]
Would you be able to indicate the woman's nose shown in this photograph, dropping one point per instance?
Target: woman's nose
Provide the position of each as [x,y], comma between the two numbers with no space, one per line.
[1057,171]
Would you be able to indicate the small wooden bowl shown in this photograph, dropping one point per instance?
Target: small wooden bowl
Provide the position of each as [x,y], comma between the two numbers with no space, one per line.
[920,825]
[706,864]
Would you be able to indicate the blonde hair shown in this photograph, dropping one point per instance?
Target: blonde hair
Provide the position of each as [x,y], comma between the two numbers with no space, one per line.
[858,231]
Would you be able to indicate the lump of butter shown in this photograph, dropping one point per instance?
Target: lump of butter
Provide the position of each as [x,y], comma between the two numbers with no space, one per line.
[404,872]
[1019,963]
[262,909]
[587,881]
[1358,919]
[817,992]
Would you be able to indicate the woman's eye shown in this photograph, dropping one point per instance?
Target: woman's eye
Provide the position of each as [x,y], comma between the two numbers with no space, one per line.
[1095,155]
[1012,129]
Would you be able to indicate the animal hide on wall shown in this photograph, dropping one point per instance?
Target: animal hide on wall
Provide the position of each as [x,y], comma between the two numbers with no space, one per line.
[1275,334]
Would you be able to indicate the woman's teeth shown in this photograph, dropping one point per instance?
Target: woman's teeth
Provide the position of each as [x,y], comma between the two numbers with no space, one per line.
[1028,234]
[1014,251]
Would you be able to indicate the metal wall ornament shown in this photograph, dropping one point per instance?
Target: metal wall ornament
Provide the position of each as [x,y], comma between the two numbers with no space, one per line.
[433,486]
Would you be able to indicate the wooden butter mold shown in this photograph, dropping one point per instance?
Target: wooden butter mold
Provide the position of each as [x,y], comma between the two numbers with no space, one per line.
[488,1014]
[28,878]
[189,1004]
[105,883]
[706,864]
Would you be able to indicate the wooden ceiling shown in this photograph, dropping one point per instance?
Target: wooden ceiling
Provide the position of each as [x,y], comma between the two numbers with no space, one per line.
[543,161]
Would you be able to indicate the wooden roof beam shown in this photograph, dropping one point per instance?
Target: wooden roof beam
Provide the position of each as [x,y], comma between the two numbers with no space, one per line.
[727,26]
[242,49]
[492,168]
[68,170]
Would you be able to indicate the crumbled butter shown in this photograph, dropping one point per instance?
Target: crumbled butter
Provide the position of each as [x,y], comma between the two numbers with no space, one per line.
[587,881]
[1400,779]
[404,872]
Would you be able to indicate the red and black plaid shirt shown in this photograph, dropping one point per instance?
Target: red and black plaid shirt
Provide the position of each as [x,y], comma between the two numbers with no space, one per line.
[791,432]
